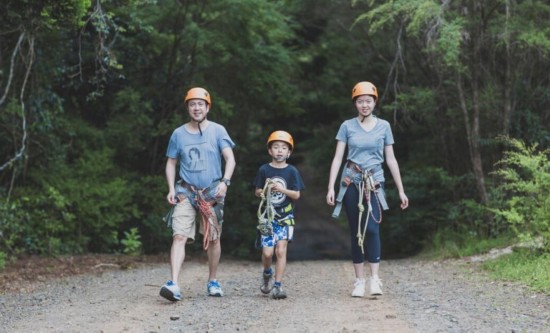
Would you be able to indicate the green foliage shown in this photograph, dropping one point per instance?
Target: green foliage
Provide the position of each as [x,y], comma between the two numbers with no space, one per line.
[39,224]
[106,95]
[2,260]
[131,242]
[524,194]
[47,14]
[524,265]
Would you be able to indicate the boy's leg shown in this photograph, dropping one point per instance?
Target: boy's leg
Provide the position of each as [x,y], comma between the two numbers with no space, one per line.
[280,266]
[267,257]
[267,260]
[280,250]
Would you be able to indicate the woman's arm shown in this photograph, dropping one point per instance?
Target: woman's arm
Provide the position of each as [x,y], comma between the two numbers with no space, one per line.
[334,168]
[391,161]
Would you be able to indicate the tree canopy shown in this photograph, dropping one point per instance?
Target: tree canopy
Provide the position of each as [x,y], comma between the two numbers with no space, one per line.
[90,92]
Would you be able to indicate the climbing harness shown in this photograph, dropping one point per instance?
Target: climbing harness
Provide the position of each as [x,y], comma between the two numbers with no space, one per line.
[209,209]
[266,211]
[366,187]
[365,183]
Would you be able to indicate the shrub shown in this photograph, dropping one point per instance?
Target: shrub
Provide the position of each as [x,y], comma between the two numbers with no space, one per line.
[523,198]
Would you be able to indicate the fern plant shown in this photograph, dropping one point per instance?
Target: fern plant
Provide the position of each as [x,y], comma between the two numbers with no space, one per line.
[525,193]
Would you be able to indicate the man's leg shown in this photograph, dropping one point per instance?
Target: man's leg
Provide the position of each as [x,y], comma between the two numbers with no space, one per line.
[183,228]
[171,291]
[214,253]
[177,255]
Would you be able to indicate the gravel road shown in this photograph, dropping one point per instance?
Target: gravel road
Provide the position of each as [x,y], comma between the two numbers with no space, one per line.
[419,296]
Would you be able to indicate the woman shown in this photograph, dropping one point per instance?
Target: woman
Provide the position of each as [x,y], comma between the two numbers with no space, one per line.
[369,140]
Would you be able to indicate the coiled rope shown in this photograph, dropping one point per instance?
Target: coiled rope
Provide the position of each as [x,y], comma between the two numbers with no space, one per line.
[366,186]
[206,216]
[266,210]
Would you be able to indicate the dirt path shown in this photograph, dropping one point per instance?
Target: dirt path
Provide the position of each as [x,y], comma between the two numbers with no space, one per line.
[420,296]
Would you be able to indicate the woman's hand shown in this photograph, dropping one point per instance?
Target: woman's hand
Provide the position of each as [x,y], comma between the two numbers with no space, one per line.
[404,200]
[330,197]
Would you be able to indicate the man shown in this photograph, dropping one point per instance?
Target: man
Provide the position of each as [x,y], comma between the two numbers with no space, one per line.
[200,192]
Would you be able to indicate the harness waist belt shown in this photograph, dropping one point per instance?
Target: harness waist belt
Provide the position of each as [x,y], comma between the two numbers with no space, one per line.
[352,174]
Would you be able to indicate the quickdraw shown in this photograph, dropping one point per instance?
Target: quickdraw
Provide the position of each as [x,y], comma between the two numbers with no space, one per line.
[266,210]
[366,186]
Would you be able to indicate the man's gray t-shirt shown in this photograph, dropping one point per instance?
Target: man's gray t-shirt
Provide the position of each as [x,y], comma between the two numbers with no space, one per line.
[199,156]
[366,148]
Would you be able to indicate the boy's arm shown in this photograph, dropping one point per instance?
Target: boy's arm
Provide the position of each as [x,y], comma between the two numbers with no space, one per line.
[258,192]
[294,195]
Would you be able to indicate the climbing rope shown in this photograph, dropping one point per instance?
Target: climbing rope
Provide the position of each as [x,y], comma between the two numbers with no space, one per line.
[206,216]
[266,210]
[366,186]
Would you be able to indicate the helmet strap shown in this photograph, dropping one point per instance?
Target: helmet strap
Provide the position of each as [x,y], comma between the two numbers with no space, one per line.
[363,119]
[199,125]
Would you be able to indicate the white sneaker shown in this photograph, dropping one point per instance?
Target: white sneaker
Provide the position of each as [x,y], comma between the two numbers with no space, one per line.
[359,290]
[375,286]
[171,291]
[214,288]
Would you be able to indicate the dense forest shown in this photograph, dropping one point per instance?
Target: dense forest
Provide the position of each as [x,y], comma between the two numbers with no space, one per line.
[91,90]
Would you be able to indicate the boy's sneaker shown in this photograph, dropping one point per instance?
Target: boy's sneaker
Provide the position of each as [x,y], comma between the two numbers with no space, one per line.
[375,286]
[214,288]
[278,293]
[267,283]
[171,291]
[359,288]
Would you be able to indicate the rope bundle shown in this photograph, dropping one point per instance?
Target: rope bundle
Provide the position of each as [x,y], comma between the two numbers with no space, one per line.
[266,211]
[366,186]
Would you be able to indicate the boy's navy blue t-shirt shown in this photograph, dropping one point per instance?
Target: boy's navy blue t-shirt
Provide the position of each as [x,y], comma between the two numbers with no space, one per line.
[289,177]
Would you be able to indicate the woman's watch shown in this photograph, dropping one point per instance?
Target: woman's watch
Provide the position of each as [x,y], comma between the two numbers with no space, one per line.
[226,181]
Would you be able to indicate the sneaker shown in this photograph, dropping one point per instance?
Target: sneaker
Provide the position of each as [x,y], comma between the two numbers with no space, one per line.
[278,293]
[375,286]
[171,291]
[267,283]
[214,288]
[359,288]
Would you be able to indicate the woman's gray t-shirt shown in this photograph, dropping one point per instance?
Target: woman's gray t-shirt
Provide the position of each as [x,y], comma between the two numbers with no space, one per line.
[366,148]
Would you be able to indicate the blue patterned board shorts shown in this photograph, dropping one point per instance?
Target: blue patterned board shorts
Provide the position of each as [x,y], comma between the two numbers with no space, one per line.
[280,232]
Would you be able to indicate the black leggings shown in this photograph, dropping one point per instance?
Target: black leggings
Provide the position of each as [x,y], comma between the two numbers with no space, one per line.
[372,238]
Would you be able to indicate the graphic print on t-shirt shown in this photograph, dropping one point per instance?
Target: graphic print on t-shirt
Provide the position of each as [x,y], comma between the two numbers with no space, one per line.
[277,197]
[194,157]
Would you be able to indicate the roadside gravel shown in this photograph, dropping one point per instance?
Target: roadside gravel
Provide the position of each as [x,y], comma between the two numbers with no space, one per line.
[419,296]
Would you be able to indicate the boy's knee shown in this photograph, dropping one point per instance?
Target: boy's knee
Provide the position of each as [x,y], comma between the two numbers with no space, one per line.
[281,250]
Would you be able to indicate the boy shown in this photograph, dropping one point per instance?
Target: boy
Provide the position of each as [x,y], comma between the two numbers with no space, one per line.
[285,183]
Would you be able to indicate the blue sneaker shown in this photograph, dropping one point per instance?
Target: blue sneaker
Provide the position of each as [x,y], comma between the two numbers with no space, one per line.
[214,288]
[171,291]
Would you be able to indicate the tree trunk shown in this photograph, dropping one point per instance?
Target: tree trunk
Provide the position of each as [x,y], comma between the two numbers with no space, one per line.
[472,136]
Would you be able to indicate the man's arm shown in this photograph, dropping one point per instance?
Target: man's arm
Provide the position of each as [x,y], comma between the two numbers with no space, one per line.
[171,179]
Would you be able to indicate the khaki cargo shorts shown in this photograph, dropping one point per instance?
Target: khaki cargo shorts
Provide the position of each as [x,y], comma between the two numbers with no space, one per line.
[184,222]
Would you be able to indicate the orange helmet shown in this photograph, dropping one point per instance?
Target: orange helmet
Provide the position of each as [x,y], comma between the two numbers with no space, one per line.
[199,93]
[364,88]
[281,136]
